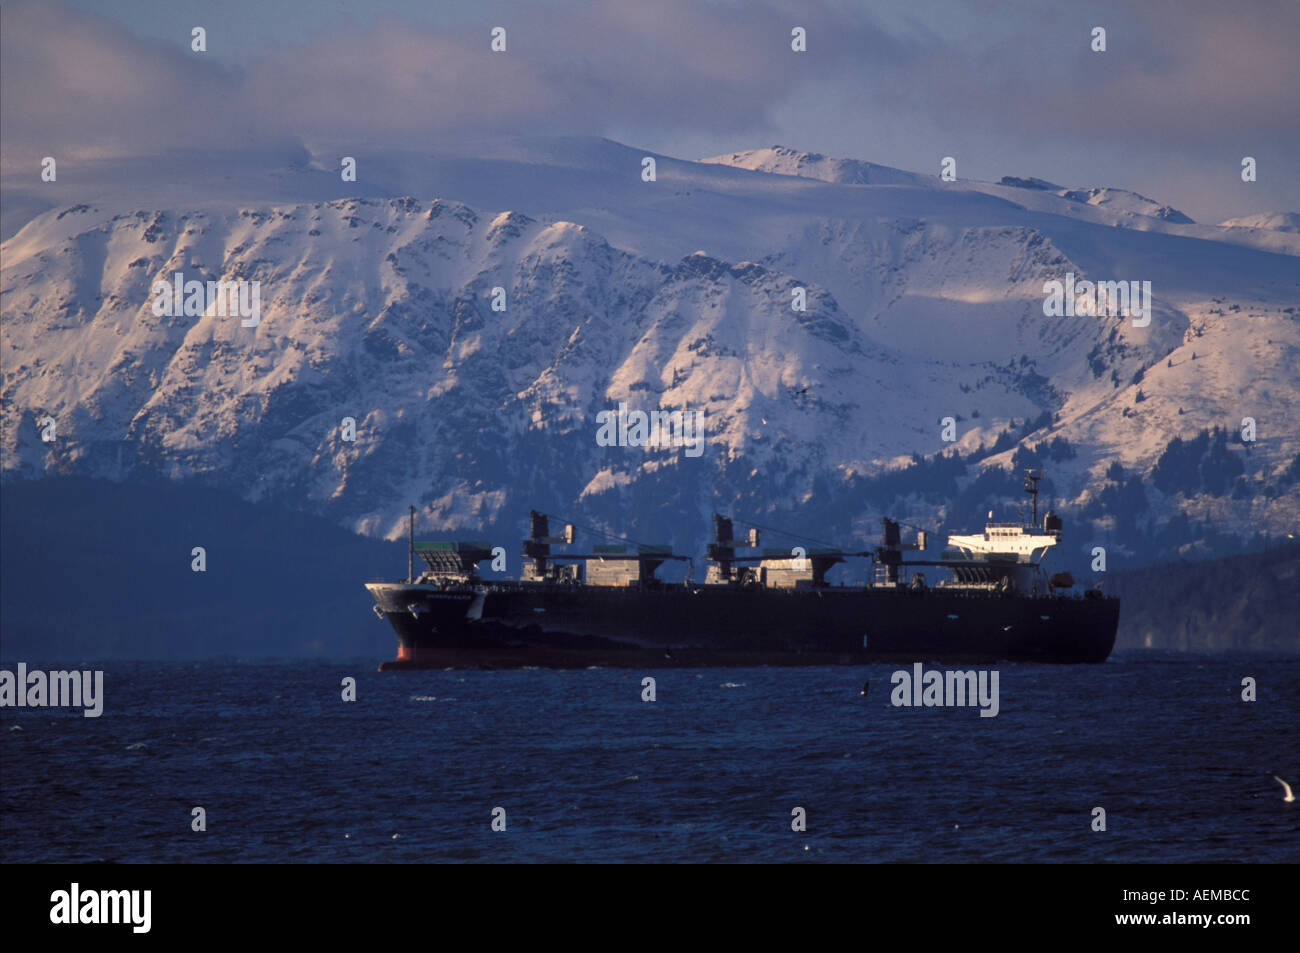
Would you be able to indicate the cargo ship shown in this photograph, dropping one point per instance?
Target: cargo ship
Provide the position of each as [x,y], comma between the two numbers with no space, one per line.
[607,607]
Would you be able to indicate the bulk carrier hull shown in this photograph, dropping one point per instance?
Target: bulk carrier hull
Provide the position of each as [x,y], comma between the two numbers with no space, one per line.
[774,607]
[553,626]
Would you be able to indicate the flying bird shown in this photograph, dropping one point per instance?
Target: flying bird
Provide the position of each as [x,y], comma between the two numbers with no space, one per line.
[1288,797]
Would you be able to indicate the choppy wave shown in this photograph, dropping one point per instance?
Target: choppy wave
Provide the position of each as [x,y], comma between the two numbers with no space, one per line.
[591,772]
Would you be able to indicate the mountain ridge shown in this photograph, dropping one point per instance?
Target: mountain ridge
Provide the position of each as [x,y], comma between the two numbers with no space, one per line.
[924,302]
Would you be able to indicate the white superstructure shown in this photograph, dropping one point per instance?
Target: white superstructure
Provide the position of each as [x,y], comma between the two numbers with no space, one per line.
[1009,539]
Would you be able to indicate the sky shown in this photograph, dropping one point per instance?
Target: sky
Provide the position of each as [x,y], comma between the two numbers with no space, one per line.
[1182,93]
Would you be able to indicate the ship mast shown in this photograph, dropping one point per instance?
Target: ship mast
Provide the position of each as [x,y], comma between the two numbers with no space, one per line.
[1031,487]
[410,547]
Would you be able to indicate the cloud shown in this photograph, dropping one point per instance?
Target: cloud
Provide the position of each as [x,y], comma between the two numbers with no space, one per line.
[1198,74]
[80,84]
[1198,80]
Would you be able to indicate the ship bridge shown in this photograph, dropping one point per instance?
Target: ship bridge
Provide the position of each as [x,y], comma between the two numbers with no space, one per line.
[1010,539]
[1013,540]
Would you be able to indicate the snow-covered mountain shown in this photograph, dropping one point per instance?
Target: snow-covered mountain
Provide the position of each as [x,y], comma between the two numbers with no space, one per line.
[1120,200]
[780,160]
[1280,221]
[924,300]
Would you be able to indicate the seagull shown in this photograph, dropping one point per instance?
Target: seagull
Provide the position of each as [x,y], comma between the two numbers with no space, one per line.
[1289,797]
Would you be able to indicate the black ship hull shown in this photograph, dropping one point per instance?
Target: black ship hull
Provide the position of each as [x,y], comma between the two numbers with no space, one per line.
[558,626]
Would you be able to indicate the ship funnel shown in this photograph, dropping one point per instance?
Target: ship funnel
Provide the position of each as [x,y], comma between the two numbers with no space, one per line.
[723,548]
[568,532]
[753,537]
[890,551]
[537,547]
[1052,523]
[721,529]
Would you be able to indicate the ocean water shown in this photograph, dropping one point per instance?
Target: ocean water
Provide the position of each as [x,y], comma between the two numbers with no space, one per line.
[710,771]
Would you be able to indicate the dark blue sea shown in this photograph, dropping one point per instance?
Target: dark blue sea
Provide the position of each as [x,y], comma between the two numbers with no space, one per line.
[710,771]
